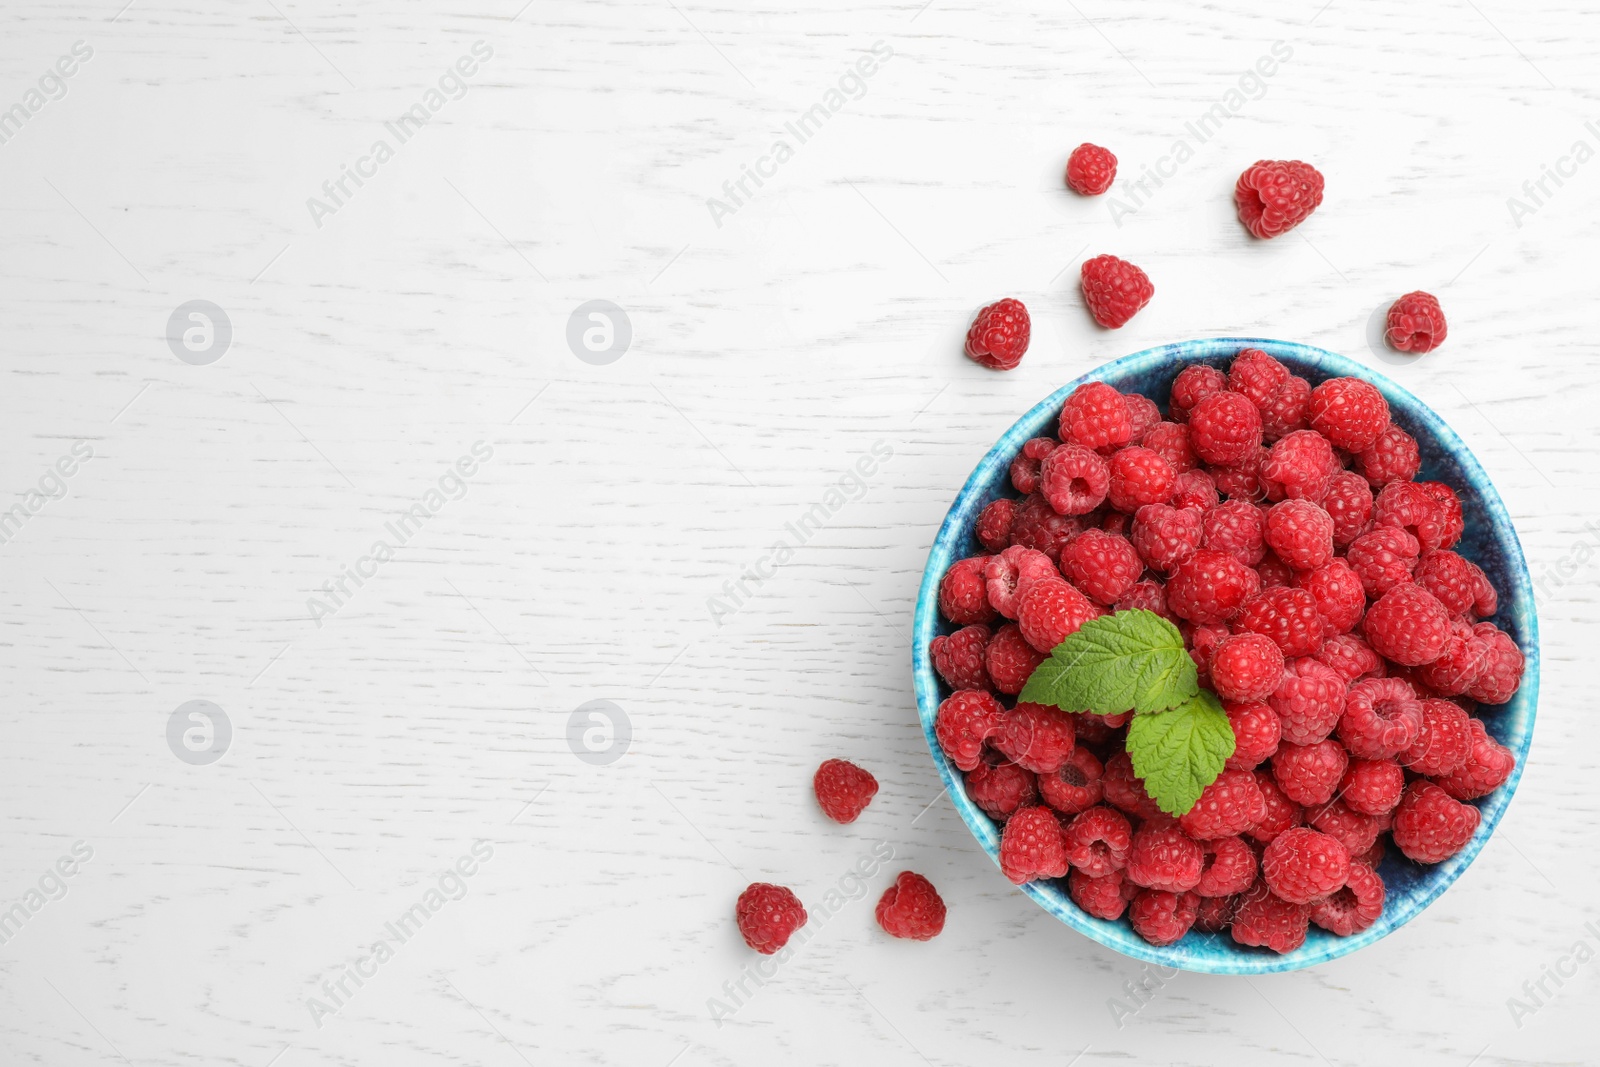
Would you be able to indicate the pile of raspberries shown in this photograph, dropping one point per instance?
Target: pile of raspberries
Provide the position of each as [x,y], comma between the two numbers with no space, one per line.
[1279,525]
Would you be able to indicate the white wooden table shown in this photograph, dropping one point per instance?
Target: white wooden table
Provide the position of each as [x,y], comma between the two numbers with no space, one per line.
[379,710]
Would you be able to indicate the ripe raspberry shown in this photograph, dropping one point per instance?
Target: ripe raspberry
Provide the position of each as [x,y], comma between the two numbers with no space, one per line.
[1274,572]
[1050,611]
[998,337]
[1230,867]
[1038,525]
[1024,469]
[1099,841]
[1163,918]
[965,721]
[1005,576]
[1036,737]
[1143,415]
[911,908]
[1096,417]
[1287,410]
[1383,558]
[1126,792]
[1309,774]
[1103,566]
[1224,429]
[1336,587]
[1114,290]
[1075,785]
[1282,813]
[1348,501]
[1238,528]
[1170,441]
[1202,640]
[1256,733]
[1302,865]
[1101,897]
[1164,858]
[1001,788]
[1193,384]
[1353,908]
[1287,615]
[1488,765]
[1147,596]
[1195,490]
[1382,718]
[1407,625]
[993,528]
[958,657]
[962,596]
[1140,476]
[1210,587]
[1308,701]
[767,915]
[1351,658]
[1256,376]
[1032,846]
[1215,914]
[1164,536]
[1448,577]
[1416,324]
[1463,660]
[1355,831]
[1267,921]
[1114,522]
[1430,826]
[1299,465]
[1243,480]
[1301,533]
[1009,660]
[1444,742]
[1485,601]
[1372,787]
[1090,170]
[1349,412]
[1453,523]
[1074,480]
[1229,806]
[843,789]
[1393,457]
[1502,668]
[1276,195]
[1415,510]
[1246,667]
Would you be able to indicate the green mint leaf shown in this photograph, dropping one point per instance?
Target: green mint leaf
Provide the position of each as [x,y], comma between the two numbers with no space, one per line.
[1129,661]
[1178,753]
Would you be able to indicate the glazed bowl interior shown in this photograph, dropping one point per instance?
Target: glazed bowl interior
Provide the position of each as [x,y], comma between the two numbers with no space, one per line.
[1489,540]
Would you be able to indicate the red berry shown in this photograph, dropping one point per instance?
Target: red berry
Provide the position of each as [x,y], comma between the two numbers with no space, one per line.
[1210,587]
[1101,897]
[1195,490]
[1383,558]
[1450,578]
[1407,625]
[1416,323]
[1224,429]
[1238,528]
[1353,908]
[1164,858]
[767,915]
[1243,480]
[1075,785]
[1050,611]
[1488,764]
[1286,410]
[998,337]
[1096,416]
[1393,457]
[1126,792]
[1461,663]
[1372,787]
[1444,742]
[1308,701]
[1349,412]
[958,657]
[1001,788]
[911,908]
[1287,615]
[1038,525]
[1256,376]
[1115,290]
[1165,536]
[965,721]
[1309,774]
[1193,384]
[1300,465]
[962,596]
[1267,921]
[1453,524]
[1170,441]
[993,528]
[1336,587]
[1229,806]
[1102,565]
[1282,813]
[1302,865]
[1351,657]
[1146,596]
[843,789]
[1140,476]
[1215,914]
[1090,170]
[1275,196]
[1163,918]
[1382,718]
[1348,501]
[1025,466]
[1036,737]
[1415,510]
[1230,867]
[1032,846]
[1502,668]
[1006,576]
[1142,414]
[1009,660]
[1430,826]
[1300,533]
[1256,733]
[1099,841]
[1074,480]
[1246,667]
[1355,831]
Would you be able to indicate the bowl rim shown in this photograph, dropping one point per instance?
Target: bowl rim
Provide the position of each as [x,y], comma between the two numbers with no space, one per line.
[1516,602]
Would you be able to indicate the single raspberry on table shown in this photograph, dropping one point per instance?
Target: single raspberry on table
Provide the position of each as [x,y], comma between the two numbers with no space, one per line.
[1024,469]
[911,908]
[1032,846]
[1256,733]
[1230,867]
[1282,813]
[1488,764]
[1444,742]
[1210,587]
[1099,841]
[1461,663]
[1000,789]
[1114,290]
[1050,611]
[1146,596]
[1309,774]
[1165,536]
[1300,532]
[1038,525]
[1286,410]
[1351,658]
[1256,376]
[998,337]
[1502,669]
[1372,787]
[1009,660]
[1337,589]
[1170,441]
[1276,195]
[1163,918]
[1124,791]
[1300,464]
[962,596]
[1075,785]
[958,657]
[767,916]
[1195,490]
[1101,897]
[1302,865]
[843,789]
[1353,908]
[1229,806]
[1103,566]
[1349,412]
[1238,528]
[1415,510]
[1193,384]
[1355,831]
[1264,920]
[1407,625]
[1090,169]
[1348,501]
[1225,429]
[1165,858]
[1382,718]
[1096,416]
[1308,701]
[1383,558]
[1416,323]
[1393,457]
[965,720]
[1037,737]
[1246,667]
[1430,825]
[1005,576]
[1140,476]
[1074,479]
[1288,616]
[1449,577]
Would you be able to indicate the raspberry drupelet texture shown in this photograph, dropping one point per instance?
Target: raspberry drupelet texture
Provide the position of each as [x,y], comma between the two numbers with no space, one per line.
[1114,290]
[1238,528]
[1211,587]
[1230,867]
[911,908]
[1032,846]
[1372,787]
[1140,476]
[1309,774]
[1229,806]
[1142,414]
[1170,441]
[1163,918]
[1099,841]
[1349,412]
[1164,858]
[1407,625]
[1103,897]
[959,657]
[1355,831]
[1336,587]
[1246,667]
[1417,511]
[1351,658]
[1382,718]
[1275,196]
[966,719]
[1224,429]
[998,337]
[1353,908]
[1091,169]
[1282,813]
[1256,734]
[1393,457]
[1195,490]
[1193,384]
[1256,376]
[1383,558]
[1503,665]
[1449,577]
[1126,792]
[1037,737]
[962,596]
[1348,501]
[1430,825]
[1000,789]
[1487,765]
[1302,865]
[1049,611]
[1265,920]
[1005,576]
[1075,785]
[1288,616]
[1444,742]
[1096,416]
[1038,525]
[1074,479]
[843,789]
[1025,467]
[994,523]
[1299,465]
[1009,660]
[1165,536]
[1288,409]
[1300,533]
[1415,324]
[1308,701]
[767,916]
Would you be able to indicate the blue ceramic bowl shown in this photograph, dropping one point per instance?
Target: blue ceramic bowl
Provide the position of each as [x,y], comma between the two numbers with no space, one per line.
[1489,540]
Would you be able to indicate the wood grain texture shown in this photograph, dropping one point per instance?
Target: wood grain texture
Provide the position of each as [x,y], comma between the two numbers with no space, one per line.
[769,352]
